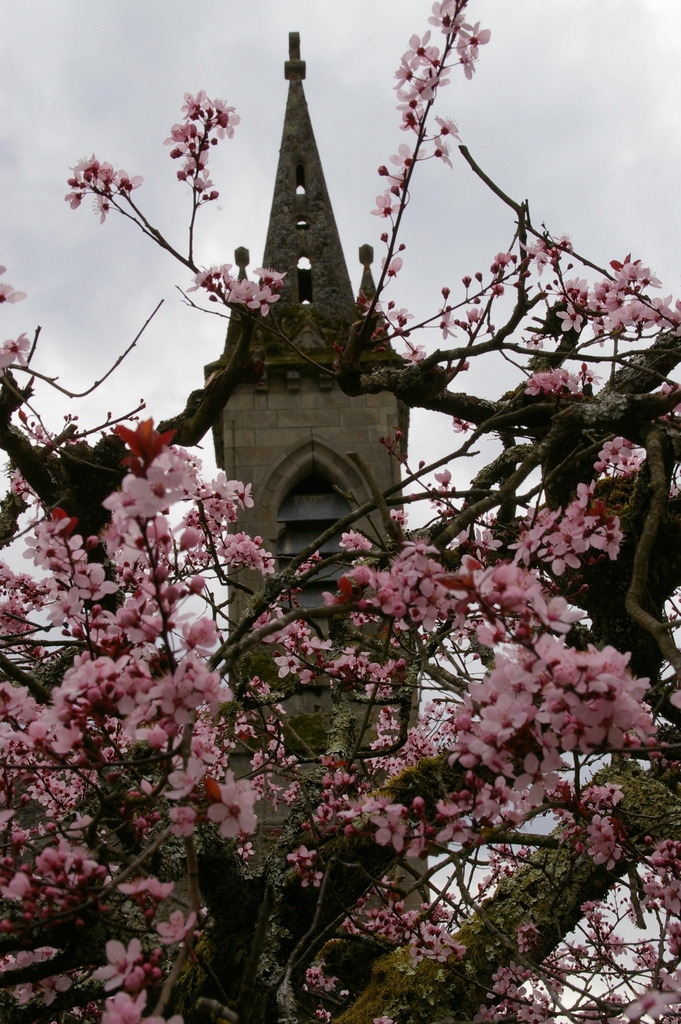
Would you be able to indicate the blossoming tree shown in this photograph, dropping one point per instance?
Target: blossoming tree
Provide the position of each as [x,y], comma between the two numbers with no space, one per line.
[505,705]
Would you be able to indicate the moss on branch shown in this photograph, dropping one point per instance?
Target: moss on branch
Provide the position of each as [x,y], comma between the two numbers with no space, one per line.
[548,892]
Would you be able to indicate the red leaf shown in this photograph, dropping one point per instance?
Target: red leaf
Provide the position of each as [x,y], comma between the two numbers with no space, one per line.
[145,442]
[212,789]
[58,514]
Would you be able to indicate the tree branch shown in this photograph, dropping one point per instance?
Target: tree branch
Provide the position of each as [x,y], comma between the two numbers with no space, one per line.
[639,577]
[548,892]
[204,407]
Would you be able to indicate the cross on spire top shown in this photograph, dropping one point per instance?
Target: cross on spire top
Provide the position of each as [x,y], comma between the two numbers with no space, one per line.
[294,68]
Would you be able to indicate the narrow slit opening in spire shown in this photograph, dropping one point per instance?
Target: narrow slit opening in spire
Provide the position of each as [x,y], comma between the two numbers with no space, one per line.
[300,179]
[304,280]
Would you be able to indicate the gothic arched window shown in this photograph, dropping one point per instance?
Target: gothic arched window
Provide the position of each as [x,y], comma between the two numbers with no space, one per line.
[309,509]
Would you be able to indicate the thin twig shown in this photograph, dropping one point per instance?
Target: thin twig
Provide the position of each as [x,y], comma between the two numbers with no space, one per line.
[52,381]
[285,997]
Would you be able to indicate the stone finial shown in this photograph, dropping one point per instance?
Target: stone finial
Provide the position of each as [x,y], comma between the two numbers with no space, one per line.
[366,258]
[294,68]
[242,258]
[366,255]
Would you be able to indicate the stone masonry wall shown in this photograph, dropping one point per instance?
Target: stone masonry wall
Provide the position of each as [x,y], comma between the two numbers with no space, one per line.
[300,422]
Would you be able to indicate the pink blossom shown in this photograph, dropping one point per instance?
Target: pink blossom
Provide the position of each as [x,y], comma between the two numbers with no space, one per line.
[386,205]
[572,321]
[184,819]
[185,780]
[175,929]
[303,860]
[448,127]
[414,353]
[157,890]
[54,985]
[562,540]
[234,812]
[13,351]
[222,287]
[206,121]
[393,268]
[603,845]
[552,382]
[7,293]
[460,426]
[354,541]
[315,979]
[143,497]
[474,35]
[620,456]
[651,1004]
[123,1009]
[121,963]
[201,635]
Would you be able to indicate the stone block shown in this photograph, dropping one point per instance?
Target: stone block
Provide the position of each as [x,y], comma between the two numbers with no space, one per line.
[383,398]
[276,440]
[242,398]
[316,400]
[306,420]
[258,418]
[243,438]
[283,400]
[354,416]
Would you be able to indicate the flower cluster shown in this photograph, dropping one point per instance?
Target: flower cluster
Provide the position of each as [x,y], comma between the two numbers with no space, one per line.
[618,305]
[531,707]
[619,457]
[423,70]
[221,286]
[416,589]
[142,677]
[560,382]
[205,123]
[562,539]
[91,177]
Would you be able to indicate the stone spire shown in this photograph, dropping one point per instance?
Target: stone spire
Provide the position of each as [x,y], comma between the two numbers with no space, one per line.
[302,238]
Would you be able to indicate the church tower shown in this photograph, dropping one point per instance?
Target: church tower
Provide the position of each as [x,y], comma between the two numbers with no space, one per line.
[290,434]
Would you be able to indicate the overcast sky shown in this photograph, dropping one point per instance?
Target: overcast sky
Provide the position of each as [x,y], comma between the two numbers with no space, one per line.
[575,105]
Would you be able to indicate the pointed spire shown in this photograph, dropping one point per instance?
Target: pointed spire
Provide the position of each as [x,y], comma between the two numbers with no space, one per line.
[302,238]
